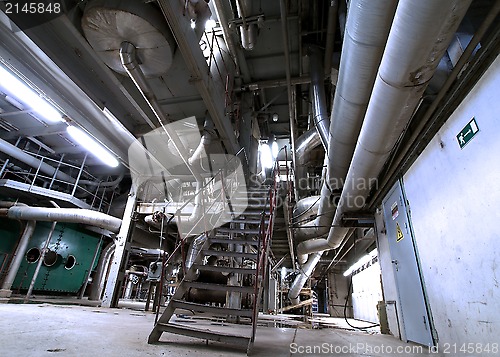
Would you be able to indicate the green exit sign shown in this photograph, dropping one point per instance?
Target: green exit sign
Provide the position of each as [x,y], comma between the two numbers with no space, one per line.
[467,133]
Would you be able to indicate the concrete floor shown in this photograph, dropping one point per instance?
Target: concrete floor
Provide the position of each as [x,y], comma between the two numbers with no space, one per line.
[66,330]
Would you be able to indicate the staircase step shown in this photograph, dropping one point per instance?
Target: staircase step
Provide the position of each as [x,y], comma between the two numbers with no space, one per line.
[238,230]
[204,334]
[210,309]
[224,269]
[219,287]
[234,241]
[221,253]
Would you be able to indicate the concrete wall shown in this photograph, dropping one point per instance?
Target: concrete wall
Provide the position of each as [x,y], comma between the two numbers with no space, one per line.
[366,293]
[454,197]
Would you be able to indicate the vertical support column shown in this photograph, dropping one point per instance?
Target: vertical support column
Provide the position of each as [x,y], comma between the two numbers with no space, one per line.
[110,298]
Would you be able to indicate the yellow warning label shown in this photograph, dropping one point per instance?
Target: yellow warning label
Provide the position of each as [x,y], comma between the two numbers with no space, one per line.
[399,233]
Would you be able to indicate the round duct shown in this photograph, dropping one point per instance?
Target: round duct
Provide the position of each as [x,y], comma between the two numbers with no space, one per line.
[108,23]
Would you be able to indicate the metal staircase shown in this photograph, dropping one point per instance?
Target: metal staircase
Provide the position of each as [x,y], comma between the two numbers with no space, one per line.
[240,249]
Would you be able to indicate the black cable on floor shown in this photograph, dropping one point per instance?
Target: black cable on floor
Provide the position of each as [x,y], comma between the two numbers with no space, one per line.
[345,311]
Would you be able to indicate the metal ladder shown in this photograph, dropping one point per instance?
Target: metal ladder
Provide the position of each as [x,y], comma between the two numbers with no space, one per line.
[248,235]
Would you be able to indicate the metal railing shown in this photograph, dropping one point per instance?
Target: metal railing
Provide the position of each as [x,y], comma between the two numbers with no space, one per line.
[266,234]
[94,195]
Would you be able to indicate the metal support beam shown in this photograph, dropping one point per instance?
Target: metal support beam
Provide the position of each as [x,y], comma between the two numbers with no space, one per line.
[113,283]
[210,91]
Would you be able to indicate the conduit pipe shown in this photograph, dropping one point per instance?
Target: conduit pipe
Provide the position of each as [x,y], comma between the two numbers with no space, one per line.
[19,254]
[424,30]
[70,215]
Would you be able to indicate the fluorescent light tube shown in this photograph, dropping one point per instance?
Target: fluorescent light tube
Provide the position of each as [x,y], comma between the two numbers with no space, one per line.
[362,261]
[27,96]
[92,146]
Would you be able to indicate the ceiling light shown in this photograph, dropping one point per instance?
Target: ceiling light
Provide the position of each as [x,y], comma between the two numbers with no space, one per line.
[275,117]
[92,146]
[28,97]
[210,24]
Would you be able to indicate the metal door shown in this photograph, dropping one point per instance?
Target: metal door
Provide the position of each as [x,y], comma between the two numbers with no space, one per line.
[414,312]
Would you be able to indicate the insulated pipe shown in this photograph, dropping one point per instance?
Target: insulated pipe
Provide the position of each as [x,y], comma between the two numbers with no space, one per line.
[129,61]
[320,116]
[71,215]
[366,33]
[300,280]
[303,147]
[401,81]
[97,281]
[19,254]
[307,205]
[367,29]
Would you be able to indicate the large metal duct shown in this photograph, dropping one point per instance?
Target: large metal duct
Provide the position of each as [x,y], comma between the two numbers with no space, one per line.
[418,39]
[367,29]
[303,147]
[107,23]
[70,215]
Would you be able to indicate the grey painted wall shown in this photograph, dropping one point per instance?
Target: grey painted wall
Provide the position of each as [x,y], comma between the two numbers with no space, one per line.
[454,197]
